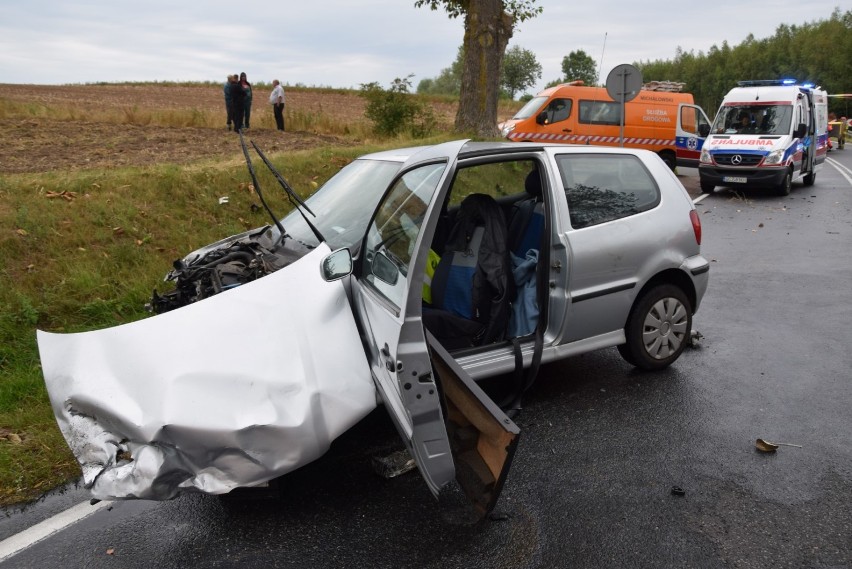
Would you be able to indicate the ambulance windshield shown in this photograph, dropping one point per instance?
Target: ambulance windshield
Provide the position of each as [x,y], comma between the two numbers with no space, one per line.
[754,119]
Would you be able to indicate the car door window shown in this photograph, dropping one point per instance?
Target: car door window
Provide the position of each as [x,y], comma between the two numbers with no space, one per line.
[600,112]
[605,187]
[558,110]
[496,179]
[394,229]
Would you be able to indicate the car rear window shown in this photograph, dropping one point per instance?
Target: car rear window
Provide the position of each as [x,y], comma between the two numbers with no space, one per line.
[605,187]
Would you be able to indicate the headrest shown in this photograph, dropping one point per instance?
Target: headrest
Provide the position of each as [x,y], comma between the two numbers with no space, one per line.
[532,184]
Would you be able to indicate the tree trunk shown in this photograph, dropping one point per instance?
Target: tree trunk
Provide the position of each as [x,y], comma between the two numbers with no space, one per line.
[487,32]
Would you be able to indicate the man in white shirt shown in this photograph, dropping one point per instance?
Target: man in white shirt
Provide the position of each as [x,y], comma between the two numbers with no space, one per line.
[276,99]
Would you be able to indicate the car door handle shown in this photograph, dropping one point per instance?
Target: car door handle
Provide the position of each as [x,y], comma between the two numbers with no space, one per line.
[385,351]
[566,130]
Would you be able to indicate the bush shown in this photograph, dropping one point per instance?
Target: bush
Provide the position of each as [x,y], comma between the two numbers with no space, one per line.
[396,110]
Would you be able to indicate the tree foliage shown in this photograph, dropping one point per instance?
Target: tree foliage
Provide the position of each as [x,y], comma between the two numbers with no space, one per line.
[488,27]
[817,52]
[521,70]
[394,110]
[448,82]
[579,65]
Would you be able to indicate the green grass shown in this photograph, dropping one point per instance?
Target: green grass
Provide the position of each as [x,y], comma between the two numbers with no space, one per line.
[83,250]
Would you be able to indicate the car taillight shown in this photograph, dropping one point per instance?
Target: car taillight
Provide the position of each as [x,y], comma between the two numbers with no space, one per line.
[696,225]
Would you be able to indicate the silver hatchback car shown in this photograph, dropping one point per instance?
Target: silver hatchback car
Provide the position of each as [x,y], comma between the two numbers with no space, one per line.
[408,275]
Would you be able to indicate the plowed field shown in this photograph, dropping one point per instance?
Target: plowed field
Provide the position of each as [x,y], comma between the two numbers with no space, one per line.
[35,141]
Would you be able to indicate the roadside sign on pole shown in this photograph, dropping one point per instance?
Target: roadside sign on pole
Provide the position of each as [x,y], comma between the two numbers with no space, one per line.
[623,84]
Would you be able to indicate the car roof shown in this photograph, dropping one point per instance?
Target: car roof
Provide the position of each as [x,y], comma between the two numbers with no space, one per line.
[475,148]
[395,155]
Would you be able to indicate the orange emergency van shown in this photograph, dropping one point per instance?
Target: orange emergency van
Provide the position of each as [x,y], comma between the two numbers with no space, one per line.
[660,118]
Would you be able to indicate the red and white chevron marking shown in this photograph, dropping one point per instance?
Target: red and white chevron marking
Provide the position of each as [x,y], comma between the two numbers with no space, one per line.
[585,139]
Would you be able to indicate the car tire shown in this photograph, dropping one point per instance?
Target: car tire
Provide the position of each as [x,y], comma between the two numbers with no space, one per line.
[809,179]
[707,187]
[658,328]
[669,158]
[786,185]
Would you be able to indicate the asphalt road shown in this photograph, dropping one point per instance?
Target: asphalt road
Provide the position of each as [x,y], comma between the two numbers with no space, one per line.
[602,445]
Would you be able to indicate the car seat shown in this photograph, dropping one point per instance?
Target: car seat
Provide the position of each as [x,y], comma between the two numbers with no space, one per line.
[526,222]
[526,229]
[472,285]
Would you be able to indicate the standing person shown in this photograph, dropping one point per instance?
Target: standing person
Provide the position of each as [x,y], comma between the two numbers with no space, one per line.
[238,97]
[276,99]
[247,91]
[228,102]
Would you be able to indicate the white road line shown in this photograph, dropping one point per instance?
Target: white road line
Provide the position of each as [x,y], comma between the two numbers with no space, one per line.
[699,198]
[844,171]
[20,541]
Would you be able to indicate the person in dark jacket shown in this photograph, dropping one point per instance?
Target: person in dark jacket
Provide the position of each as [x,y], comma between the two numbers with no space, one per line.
[238,97]
[247,103]
[228,103]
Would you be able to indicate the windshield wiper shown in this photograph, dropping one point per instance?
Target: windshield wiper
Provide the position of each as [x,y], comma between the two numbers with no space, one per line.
[291,194]
[257,188]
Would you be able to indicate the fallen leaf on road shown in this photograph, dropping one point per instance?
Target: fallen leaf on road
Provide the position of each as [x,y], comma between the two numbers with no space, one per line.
[773,446]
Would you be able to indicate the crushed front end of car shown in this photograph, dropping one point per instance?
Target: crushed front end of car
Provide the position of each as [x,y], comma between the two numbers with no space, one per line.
[251,383]
[230,392]
[225,265]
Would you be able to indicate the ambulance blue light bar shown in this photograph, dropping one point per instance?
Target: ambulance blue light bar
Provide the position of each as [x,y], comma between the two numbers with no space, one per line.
[765,82]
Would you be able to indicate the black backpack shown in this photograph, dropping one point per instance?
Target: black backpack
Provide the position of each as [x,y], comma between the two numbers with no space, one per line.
[472,285]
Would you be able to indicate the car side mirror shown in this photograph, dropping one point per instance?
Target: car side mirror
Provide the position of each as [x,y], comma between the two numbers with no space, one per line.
[541,118]
[384,269]
[800,131]
[336,265]
[703,130]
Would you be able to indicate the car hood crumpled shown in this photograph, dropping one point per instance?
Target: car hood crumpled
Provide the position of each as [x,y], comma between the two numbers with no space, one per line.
[231,391]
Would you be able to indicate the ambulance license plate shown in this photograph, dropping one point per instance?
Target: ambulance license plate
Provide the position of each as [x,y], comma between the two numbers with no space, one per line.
[734,179]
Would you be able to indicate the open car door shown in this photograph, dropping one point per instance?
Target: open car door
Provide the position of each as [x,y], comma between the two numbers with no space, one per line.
[387,293]
[482,438]
[692,129]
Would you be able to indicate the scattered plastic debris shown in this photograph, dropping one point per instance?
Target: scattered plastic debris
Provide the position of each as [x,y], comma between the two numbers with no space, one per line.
[394,464]
[695,338]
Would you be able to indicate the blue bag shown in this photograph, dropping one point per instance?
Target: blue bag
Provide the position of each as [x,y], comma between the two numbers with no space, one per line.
[524,316]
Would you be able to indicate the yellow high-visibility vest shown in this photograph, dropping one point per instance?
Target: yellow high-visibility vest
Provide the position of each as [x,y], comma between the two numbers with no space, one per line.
[431,264]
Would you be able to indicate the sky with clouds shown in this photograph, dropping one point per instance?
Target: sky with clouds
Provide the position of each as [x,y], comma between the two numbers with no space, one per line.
[344,43]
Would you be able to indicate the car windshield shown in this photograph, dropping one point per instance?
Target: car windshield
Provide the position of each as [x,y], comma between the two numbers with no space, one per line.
[753,119]
[530,108]
[344,204]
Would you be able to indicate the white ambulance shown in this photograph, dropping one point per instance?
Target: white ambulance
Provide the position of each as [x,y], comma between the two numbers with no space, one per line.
[766,134]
